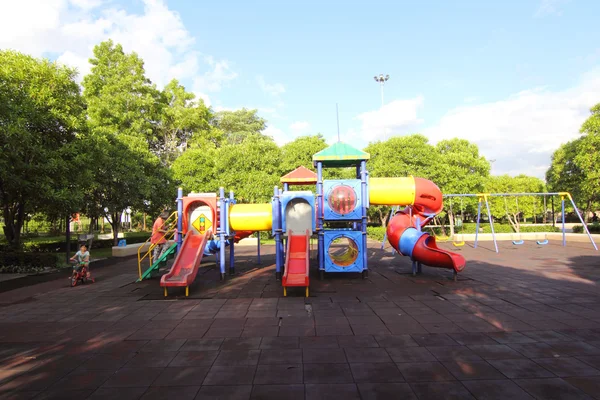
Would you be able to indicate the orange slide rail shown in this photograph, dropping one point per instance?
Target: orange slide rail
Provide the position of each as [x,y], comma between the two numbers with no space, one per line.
[297,259]
[185,268]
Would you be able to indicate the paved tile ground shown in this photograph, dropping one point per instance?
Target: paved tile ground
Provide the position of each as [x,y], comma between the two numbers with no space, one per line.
[521,324]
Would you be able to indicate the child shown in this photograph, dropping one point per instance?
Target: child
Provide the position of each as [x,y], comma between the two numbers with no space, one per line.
[83,259]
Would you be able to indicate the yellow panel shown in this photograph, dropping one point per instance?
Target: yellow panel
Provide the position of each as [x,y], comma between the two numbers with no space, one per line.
[250,217]
[392,191]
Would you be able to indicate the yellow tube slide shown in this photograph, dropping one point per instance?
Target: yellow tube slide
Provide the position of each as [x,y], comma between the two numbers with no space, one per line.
[392,191]
[251,217]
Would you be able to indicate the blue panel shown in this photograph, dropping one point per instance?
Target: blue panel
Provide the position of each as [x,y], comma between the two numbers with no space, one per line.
[408,240]
[351,209]
[357,264]
[289,196]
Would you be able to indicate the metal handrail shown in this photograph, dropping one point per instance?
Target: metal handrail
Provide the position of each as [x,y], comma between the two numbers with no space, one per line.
[171,231]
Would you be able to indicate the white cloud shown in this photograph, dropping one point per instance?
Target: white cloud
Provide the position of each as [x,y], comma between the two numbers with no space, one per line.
[69,29]
[398,117]
[550,7]
[277,134]
[522,131]
[300,126]
[274,89]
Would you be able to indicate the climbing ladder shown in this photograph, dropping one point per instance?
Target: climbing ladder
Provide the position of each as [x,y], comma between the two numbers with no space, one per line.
[170,226]
[160,262]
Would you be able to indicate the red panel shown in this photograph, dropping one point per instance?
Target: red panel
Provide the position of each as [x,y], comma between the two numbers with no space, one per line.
[428,197]
[188,201]
[427,252]
[297,261]
[184,269]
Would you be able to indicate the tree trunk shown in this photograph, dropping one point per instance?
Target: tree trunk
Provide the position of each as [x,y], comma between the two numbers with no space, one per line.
[13,223]
[451,220]
[114,220]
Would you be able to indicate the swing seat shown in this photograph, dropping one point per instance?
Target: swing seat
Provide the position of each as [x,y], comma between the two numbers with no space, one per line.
[542,242]
[518,242]
[458,244]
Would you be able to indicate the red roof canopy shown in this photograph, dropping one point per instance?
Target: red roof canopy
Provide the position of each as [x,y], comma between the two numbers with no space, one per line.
[300,176]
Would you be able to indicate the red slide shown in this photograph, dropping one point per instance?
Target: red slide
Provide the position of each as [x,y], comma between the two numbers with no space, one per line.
[184,269]
[295,271]
[427,252]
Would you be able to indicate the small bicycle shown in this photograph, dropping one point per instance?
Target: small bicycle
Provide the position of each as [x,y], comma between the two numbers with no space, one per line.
[80,274]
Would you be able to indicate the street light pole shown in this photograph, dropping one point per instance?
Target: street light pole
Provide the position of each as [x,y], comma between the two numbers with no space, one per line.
[381,79]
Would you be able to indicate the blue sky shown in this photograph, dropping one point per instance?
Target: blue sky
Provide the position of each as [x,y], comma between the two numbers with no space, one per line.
[516,77]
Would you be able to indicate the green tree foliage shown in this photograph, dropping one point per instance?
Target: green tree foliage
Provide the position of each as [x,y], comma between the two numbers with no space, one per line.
[236,125]
[251,169]
[195,169]
[180,116]
[575,166]
[122,108]
[120,99]
[300,151]
[41,124]
[515,209]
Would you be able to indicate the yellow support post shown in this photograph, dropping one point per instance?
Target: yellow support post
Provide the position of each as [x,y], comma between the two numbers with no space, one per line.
[165,291]
[187,291]
[307,291]
[284,291]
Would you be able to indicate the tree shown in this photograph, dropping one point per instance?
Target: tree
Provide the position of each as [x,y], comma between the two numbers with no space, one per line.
[123,107]
[588,158]
[401,156]
[41,122]
[250,169]
[461,170]
[120,99]
[179,118]
[300,152]
[127,175]
[195,169]
[514,208]
[236,125]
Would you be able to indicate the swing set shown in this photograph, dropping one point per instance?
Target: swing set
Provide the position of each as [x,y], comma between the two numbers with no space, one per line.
[483,198]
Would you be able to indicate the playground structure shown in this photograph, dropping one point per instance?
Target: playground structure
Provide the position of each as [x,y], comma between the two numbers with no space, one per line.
[338,217]
[484,199]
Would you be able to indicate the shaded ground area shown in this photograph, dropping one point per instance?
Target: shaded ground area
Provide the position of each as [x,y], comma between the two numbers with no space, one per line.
[521,324]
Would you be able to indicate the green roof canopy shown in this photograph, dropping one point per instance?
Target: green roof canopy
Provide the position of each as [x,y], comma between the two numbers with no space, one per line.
[340,154]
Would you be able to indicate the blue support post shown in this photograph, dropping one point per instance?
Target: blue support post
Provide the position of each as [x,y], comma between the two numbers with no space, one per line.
[562,205]
[277,231]
[232,243]
[258,247]
[222,230]
[363,179]
[320,214]
[286,187]
[179,218]
[487,206]
[477,224]
[587,231]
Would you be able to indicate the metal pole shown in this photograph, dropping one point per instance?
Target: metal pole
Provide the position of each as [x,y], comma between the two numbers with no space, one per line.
[276,230]
[381,84]
[491,223]
[222,232]
[179,218]
[231,245]
[320,211]
[583,223]
[562,204]
[68,237]
[363,178]
[553,216]
[477,224]
[258,247]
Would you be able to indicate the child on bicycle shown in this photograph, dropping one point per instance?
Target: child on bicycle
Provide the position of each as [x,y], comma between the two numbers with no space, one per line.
[83,260]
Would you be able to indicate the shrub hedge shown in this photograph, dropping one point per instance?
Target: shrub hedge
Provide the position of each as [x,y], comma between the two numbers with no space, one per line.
[593,228]
[15,259]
